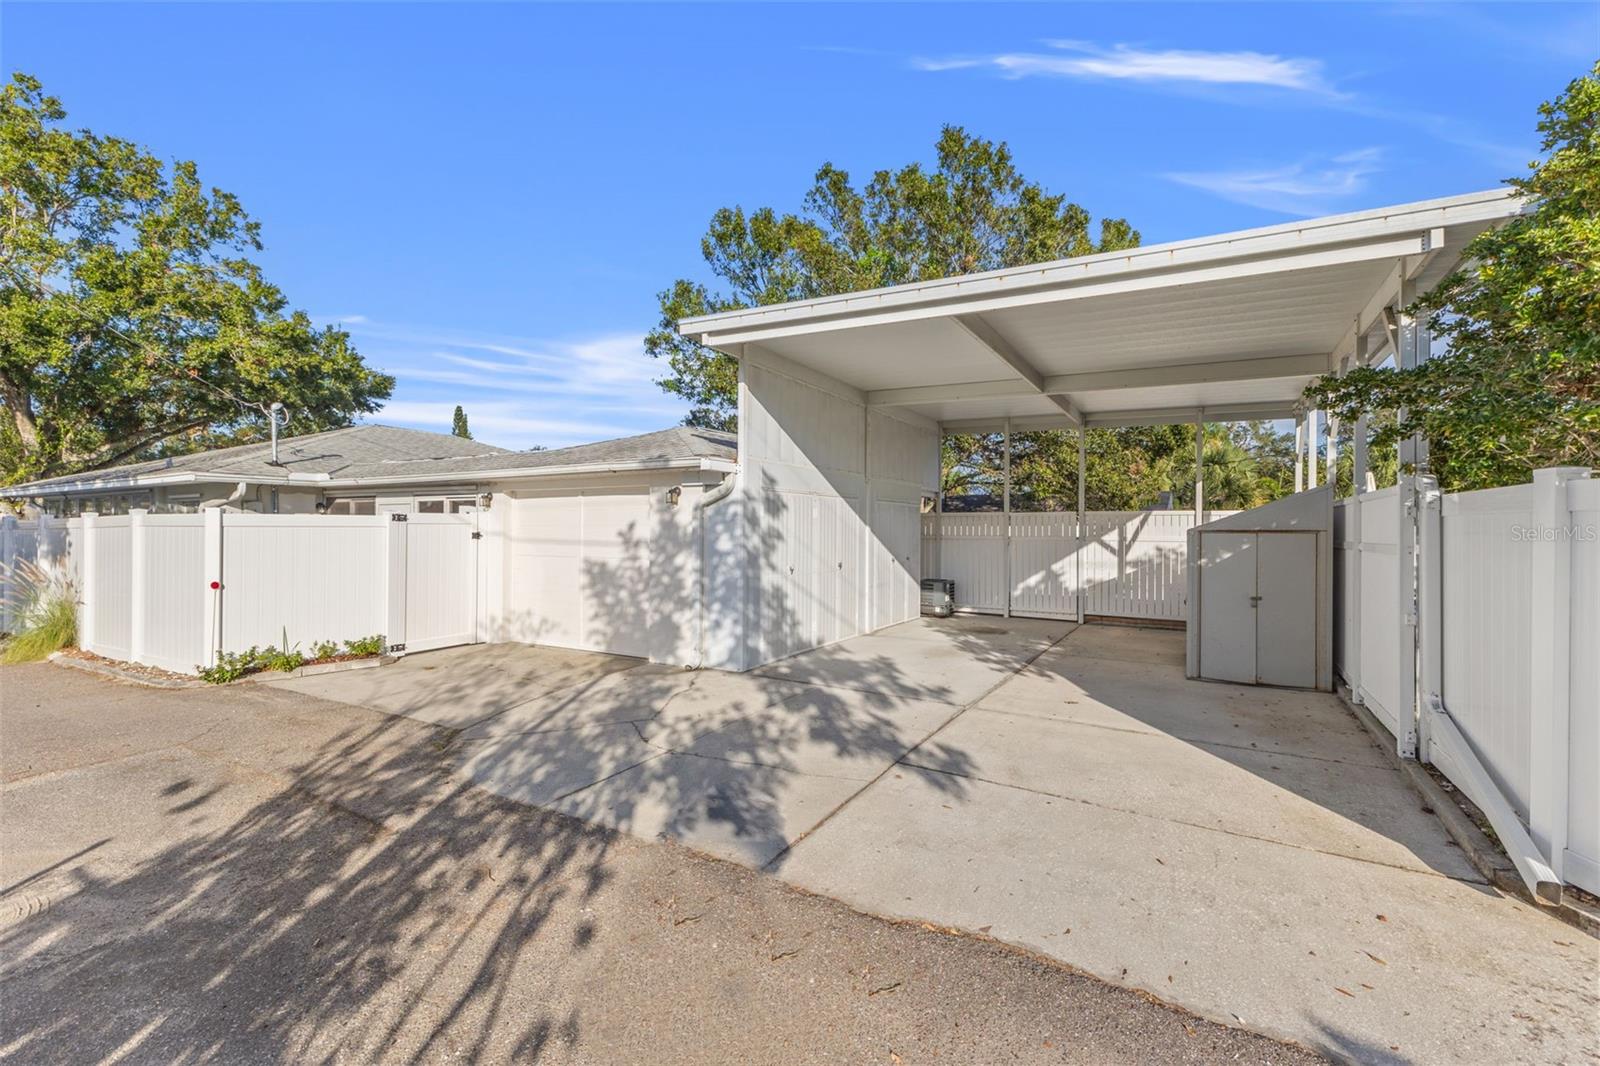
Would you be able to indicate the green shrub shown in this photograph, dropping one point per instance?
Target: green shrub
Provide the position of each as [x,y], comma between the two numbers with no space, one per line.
[372,645]
[46,608]
[231,666]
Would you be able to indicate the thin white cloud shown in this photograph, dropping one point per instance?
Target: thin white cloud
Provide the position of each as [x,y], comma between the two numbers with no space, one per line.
[1082,60]
[1313,187]
[517,391]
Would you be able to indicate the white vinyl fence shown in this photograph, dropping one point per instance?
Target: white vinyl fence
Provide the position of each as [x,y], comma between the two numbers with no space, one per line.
[173,590]
[1469,623]
[1134,563]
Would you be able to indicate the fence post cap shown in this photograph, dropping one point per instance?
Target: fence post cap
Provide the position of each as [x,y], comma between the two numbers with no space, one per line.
[1559,474]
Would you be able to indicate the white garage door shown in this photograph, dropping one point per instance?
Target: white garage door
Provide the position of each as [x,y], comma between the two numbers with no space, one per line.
[580,569]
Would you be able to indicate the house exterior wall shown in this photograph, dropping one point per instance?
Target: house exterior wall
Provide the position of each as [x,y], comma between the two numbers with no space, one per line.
[829,495]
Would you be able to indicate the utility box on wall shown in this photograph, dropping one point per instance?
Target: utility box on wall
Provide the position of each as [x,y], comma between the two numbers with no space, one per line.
[1260,596]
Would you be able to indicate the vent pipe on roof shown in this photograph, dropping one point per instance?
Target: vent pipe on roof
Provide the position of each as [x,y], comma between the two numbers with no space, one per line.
[276,417]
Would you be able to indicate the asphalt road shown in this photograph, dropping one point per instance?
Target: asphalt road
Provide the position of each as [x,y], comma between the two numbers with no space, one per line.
[249,875]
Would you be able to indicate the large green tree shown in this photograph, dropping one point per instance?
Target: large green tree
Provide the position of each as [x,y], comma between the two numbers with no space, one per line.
[131,319]
[971,212]
[1519,386]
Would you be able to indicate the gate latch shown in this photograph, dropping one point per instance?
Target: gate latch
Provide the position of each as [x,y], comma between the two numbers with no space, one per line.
[477,535]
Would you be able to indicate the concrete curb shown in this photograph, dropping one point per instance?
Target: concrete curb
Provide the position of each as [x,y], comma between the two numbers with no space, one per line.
[1484,854]
[116,673]
[105,669]
[318,668]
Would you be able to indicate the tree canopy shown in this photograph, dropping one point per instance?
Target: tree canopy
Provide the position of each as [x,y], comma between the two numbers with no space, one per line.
[458,423]
[972,212]
[1519,386]
[132,322]
[1246,465]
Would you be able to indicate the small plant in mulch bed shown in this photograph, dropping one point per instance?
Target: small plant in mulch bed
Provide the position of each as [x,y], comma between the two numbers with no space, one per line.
[231,666]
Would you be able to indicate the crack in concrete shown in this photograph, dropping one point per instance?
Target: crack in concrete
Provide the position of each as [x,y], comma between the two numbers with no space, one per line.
[1192,825]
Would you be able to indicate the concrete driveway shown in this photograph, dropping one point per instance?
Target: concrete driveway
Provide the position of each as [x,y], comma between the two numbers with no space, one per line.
[1247,853]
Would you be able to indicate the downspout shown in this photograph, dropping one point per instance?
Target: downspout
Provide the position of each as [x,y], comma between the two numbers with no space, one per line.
[707,500]
[234,497]
[1463,766]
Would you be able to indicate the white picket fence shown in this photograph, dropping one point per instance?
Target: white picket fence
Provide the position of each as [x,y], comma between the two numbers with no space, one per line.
[172,590]
[1134,563]
[1495,640]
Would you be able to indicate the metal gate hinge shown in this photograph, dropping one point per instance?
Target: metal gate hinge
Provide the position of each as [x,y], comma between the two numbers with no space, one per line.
[476,535]
[397,517]
[397,649]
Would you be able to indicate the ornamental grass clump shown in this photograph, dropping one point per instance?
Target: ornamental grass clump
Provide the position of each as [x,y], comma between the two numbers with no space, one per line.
[44,606]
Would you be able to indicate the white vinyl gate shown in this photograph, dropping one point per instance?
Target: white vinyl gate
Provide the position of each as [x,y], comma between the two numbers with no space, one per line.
[441,578]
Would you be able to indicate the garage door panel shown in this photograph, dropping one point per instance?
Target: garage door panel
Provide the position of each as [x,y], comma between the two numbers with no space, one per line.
[580,569]
[615,571]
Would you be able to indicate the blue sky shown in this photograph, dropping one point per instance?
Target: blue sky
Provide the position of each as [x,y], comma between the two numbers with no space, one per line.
[490,197]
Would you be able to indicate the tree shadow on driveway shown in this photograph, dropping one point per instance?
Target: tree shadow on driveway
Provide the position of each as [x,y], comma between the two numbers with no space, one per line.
[363,904]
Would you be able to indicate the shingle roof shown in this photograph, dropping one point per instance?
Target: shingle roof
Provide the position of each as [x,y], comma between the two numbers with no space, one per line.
[375,453]
[662,446]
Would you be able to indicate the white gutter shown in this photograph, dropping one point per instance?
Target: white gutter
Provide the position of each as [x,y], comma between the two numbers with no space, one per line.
[327,481]
[514,474]
[1389,222]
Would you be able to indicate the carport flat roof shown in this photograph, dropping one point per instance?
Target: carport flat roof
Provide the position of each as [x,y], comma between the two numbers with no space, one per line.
[1232,326]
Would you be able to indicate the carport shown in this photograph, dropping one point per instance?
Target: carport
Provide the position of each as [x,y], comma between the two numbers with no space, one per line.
[844,400]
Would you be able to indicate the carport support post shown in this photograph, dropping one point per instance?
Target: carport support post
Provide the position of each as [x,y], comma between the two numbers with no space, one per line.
[1199,467]
[1333,455]
[1311,448]
[1006,505]
[1083,532]
[1352,538]
[1299,452]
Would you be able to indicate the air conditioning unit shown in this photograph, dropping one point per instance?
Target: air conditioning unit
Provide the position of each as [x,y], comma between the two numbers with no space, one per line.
[938,596]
